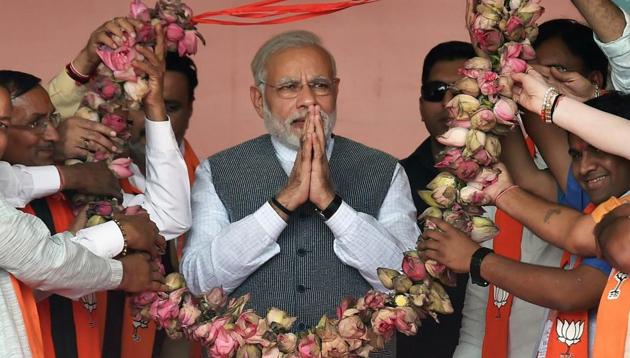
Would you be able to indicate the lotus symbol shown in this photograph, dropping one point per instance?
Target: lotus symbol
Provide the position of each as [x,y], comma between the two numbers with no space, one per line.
[569,333]
[500,299]
[89,303]
[137,323]
[616,291]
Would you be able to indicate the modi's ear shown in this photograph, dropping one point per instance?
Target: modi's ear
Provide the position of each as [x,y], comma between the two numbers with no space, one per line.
[257,100]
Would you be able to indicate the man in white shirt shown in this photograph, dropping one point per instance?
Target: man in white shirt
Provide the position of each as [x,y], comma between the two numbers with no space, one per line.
[53,264]
[300,218]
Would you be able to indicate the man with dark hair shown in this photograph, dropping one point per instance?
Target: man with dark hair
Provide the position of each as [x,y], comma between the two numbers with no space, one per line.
[439,72]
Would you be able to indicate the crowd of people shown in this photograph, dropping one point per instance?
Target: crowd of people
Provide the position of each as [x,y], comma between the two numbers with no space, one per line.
[324,211]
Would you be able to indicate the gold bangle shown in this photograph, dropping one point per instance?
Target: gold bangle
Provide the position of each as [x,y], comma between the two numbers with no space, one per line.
[124,235]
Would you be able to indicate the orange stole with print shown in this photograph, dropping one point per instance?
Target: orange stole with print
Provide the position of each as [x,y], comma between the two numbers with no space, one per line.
[566,333]
[138,335]
[499,306]
[30,316]
[614,305]
[88,312]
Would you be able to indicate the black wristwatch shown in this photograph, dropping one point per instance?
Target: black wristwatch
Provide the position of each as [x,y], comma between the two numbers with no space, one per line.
[475,266]
[331,209]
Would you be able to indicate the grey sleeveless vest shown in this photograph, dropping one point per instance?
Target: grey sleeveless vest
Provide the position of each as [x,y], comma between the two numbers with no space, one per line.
[306,278]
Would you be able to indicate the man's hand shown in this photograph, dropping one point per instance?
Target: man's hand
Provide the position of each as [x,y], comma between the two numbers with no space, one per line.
[154,66]
[80,137]
[296,191]
[110,34]
[321,191]
[80,221]
[91,178]
[449,246]
[142,234]
[572,84]
[141,274]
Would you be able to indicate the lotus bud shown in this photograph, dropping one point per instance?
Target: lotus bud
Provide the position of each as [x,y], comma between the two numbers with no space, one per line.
[442,179]
[454,137]
[467,86]
[445,196]
[174,281]
[478,63]
[439,301]
[461,106]
[483,229]
[505,111]
[492,146]
[483,120]
[475,140]
[87,113]
[287,342]
[430,212]
[506,83]
[215,299]
[402,284]
[95,220]
[426,196]
[387,277]
[413,267]
[279,318]
[473,195]
[249,351]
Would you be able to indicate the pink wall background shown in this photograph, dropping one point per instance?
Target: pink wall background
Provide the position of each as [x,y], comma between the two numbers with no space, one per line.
[379,50]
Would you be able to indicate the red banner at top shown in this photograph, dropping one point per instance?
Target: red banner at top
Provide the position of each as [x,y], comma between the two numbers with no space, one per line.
[268,12]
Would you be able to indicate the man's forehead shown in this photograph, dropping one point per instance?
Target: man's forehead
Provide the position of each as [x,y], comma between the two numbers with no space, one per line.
[446,70]
[295,62]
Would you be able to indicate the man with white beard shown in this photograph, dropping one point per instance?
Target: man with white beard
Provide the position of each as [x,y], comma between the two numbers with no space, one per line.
[299,217]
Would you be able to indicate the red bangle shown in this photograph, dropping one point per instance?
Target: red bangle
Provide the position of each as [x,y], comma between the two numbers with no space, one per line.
[76,75]
[513,186]
[62,180]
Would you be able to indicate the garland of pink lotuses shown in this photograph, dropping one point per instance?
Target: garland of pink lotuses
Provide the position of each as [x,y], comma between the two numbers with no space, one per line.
[501,32]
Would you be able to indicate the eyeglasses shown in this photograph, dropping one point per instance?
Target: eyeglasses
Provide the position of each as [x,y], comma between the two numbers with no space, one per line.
[290,89]
[40,125]
[434,91]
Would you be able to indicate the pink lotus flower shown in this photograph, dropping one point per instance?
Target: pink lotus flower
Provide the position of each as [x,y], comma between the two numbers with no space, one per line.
[486,20]
[201,332]
[506,83]
[144,298]
[188,45]
[384,322]
[475,66]
[352,328]
[217,323]
[406,320]
[224,344]
[249,351]
[87,113]
[346,303]
[189,312]
[467,86]
[246,325]
[136,90]
[116,122]
[483,120]
[466,170]
[530,12]
[287,342]
[119,60]
[483,158]
[163,311]
[528,53]
[139,11]
[488,41]
[103,208]
[505,111]
[373,300]
[146,34]
[514,28]
[174,32]
[454,137]
[475,140]
[449,158]
[461,106]
[336,347]
[120,167]
[487,177]
[512,65]
[413,267]
[473,195]
[93,100]
[308,346]
[434,268]
[458,219]
[215,299]
[488,83]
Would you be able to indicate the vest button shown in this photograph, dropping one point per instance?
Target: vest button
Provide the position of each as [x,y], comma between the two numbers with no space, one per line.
[300,288]
[301,252]
[301,326]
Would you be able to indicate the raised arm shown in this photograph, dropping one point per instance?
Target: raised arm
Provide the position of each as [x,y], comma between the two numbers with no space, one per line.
[606,19]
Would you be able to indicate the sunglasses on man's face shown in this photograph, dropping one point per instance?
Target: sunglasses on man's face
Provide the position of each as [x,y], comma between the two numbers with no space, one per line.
[434,91]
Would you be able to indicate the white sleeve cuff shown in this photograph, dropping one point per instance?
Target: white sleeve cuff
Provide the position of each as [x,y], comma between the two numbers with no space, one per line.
[342,219]
[270,221]
[117,274]
[619,46]
[104,240]
[46,180]
[160,136]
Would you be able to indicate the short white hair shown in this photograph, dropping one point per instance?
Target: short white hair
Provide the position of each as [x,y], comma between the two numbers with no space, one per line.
[283,41]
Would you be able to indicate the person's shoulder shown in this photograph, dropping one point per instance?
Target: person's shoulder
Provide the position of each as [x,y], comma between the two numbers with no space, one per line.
[250,144]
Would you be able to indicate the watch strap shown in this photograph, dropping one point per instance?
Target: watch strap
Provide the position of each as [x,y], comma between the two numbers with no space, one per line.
[475,266]
[331,209]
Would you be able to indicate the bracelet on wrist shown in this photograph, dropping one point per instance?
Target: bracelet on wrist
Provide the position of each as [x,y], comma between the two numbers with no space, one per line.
[513,186]
[597,91]
[76,75]
[123,252]
[475,266]
[550,97]
[276,203]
